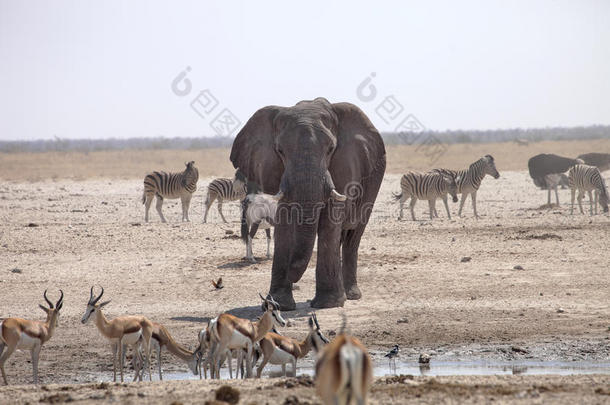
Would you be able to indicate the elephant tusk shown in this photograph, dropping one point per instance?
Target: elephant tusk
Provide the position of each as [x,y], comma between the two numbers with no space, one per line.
[278,196]
[339,197]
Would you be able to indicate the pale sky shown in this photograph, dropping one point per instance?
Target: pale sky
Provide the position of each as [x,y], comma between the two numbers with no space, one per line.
[99,69]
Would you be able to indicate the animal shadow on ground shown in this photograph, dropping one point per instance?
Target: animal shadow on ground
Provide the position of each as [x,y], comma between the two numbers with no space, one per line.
[242,263]
[253,312]
[250,312]
[196,319]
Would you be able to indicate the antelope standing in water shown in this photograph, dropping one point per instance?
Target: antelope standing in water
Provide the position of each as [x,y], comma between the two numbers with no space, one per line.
[278,349]
[233,333]
[122,330]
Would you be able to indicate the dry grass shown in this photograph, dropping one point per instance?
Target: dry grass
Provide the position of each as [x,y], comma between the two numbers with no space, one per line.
[129,164]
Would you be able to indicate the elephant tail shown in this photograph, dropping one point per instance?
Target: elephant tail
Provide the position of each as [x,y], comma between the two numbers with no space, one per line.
[397,196]
[244,222]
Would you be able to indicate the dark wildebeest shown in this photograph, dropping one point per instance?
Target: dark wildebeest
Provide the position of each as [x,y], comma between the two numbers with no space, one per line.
[546,169]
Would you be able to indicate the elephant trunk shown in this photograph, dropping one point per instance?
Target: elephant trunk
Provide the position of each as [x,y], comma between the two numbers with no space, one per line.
[305,229]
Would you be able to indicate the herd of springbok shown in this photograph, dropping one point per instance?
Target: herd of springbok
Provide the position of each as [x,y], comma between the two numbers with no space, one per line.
[343,367]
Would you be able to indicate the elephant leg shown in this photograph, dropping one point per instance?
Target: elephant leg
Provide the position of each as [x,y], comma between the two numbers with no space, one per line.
[330,290]
[251,234]
[350,243]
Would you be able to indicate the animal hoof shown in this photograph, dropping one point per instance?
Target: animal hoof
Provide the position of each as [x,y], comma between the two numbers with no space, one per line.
[353,293]
[327,302]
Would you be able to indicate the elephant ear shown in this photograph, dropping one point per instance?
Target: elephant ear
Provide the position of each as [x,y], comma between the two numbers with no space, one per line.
[360,149]
[253,150]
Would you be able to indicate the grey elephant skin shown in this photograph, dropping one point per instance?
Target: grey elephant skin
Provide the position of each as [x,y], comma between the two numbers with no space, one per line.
[326,163]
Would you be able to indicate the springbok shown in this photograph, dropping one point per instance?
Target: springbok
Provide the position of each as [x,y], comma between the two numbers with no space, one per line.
[122,330]
[280,350]
[344,371]
[23,334]
[233,333]
[161,338]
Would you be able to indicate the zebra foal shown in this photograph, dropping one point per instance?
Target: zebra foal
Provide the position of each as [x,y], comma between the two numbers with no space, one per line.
[170,185]
[426,186]
[588,178]
[469,180]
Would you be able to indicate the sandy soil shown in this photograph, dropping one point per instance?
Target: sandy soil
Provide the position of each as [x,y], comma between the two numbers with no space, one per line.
[417,292]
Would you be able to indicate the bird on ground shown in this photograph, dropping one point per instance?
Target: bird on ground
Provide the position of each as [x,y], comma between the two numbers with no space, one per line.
[392,354]
[218,284]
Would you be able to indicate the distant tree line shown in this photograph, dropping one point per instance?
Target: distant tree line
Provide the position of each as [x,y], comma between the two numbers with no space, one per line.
[390,138]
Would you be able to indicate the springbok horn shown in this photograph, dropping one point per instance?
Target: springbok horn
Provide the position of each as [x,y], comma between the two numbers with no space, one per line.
[98,298]
[60,302]
[262,298]
[47,300]
[339,197]
[315,319]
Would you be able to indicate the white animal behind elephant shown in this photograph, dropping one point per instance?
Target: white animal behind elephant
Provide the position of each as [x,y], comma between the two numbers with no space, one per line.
[258,211]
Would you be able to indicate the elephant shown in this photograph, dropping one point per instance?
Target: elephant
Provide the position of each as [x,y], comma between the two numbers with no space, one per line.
[324,162]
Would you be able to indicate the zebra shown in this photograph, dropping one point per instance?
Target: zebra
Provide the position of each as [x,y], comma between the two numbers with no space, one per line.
[426,186]
[170,185]
[224,189]
[469,180]
[588,178]
[599,160]
[546,170]
[258,211]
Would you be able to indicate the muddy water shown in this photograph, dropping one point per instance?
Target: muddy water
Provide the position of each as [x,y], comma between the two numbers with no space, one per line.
[435,368]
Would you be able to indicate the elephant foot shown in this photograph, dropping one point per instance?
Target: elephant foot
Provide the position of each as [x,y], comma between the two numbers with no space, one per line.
[353,292]
[327,301]
[284,298]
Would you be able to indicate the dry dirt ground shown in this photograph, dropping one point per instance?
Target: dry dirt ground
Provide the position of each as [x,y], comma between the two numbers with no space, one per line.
[75,227]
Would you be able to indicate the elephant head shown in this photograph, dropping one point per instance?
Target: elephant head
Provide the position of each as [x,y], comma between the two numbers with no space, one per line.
[307,155]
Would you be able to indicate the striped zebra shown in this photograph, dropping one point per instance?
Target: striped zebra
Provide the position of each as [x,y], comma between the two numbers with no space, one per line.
[469,180]
[426,186]
[223,190]
[170,185]
[228,190]
[588,178]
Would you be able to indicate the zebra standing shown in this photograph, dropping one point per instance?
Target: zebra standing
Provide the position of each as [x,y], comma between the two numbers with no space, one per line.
[426,186]
[170,185]
[469,180]
[588,178]
[223,190]
[228,190]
